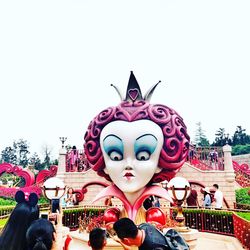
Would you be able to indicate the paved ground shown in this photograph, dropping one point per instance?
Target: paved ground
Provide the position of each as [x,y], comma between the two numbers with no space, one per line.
[206,241]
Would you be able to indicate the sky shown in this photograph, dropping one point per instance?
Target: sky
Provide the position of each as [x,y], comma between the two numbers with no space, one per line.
[58,59]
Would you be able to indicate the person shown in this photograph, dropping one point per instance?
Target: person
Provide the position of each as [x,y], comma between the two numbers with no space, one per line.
[97,239]
[151,201]
[108,201]
[25,211]
[70,198]
[73,159]
[207,198]
[134,145]
[148,203]
[41,235]
[192,199]
[218,197]
[145,236]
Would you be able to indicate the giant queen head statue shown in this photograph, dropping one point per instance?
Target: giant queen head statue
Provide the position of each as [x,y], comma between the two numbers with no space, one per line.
[134,145]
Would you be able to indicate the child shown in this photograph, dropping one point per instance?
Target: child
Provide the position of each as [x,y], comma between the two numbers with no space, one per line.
[97,239]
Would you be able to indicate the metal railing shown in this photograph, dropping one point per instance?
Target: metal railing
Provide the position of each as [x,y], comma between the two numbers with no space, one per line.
[208,220]
[76,161]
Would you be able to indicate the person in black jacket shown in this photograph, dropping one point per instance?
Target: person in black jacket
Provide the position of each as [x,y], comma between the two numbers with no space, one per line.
[146,236]
[25,212]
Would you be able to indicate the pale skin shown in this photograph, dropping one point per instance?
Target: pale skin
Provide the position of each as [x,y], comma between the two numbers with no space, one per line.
[57,236]
[131,159]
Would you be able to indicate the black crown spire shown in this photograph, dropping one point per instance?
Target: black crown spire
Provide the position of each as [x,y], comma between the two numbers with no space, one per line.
[133,92]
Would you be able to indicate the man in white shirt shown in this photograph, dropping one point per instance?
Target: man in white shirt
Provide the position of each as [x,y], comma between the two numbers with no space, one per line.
[218,197]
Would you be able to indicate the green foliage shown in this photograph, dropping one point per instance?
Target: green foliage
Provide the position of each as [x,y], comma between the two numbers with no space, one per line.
[87,210]
[43,200]
[208,211]
[245,216]
[4,201]
[9,155]
[3,222]
[240,137]
[242,196]
[241,149]
[36,162]
[200,137]
[220,137]
[7,201]
[17,154]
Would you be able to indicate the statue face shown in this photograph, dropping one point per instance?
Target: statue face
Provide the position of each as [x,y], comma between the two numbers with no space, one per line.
[131,152]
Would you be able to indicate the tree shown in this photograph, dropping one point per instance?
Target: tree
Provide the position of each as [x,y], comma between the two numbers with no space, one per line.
[240,137]
[17,154]
[200,137]
[47,154]
[220,138]
[9,155]
[22,150]
[36,162]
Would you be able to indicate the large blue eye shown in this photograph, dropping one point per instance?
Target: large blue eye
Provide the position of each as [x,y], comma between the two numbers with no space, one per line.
[143,156]
[113,147]
[145,146]
[115,156]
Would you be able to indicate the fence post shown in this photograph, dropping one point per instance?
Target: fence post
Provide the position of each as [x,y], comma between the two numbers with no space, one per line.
[229,175]
[62,161]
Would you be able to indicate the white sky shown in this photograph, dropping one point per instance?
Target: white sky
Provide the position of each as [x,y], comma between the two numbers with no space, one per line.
[58,59]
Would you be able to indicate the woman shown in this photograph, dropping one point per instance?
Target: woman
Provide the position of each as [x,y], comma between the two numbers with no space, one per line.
[207,198]
[70,198]
[26,211]
[133,145]
[41,235]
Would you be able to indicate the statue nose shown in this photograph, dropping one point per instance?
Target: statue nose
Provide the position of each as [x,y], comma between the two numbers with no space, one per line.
[129,164]
[128,168]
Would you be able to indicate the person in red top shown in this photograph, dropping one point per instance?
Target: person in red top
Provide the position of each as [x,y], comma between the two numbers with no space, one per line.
[192,199]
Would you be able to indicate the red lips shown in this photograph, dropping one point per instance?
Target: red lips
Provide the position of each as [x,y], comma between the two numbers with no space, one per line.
[128,174]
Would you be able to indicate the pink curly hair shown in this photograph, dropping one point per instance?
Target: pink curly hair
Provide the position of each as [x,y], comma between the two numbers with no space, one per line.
[176,140]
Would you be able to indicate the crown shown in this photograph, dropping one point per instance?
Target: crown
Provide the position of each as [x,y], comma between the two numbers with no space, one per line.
[133,92]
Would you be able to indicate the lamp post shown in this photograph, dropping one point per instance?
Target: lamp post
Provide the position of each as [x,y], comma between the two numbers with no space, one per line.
[63,139]
[179,189]
[54,189]
[226,138]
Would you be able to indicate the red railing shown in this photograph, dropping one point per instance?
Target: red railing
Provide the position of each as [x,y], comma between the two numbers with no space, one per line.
[242,173]
[242,230]
[71,215]
[206,220]
[76,161]
[206,158]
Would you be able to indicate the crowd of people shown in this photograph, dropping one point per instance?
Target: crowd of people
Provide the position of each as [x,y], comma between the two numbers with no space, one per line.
[145,236]
[25,230]
[211,197]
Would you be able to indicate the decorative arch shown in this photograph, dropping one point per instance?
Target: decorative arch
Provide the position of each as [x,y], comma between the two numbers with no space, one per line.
[31,185]
[27,175]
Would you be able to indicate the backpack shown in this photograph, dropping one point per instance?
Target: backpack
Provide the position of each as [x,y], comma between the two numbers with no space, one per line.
[175,241]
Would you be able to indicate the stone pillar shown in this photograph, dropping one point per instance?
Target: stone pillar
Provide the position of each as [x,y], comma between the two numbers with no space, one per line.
[228,164]
[62,161]
[229,191]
